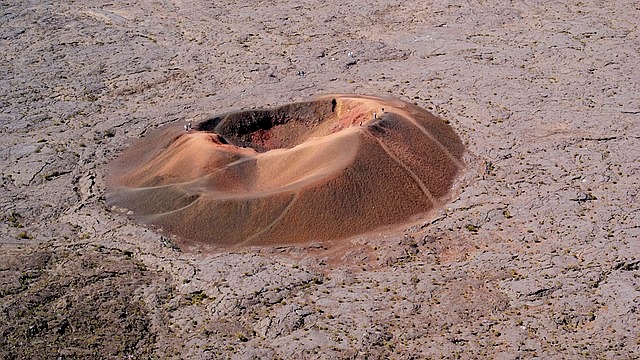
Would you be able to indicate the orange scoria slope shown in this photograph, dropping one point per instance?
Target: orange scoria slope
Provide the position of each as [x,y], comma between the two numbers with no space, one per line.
[325,169]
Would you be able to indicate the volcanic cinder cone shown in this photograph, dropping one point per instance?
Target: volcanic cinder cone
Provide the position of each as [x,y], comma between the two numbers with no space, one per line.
[326,169]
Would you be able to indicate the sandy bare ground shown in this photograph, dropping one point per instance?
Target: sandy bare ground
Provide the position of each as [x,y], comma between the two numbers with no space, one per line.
[536,257]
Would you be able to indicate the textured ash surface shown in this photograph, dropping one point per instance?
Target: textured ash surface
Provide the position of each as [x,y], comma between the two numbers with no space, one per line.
[537,257]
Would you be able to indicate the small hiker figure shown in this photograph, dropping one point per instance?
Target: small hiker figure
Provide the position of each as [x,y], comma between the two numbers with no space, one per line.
[187,127]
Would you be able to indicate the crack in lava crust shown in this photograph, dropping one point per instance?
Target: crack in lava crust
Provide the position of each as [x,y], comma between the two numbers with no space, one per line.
[326,169]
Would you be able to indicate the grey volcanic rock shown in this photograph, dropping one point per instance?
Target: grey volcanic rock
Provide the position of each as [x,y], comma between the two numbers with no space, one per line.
[535,257]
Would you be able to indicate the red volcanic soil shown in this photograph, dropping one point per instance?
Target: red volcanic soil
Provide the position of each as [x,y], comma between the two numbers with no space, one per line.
[326,169]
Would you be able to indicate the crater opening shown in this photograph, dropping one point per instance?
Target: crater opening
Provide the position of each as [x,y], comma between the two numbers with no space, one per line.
[325,169]
[286,126]
[265,130]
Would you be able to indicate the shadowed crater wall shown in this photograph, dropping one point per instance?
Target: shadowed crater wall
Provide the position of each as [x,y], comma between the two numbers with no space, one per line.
[326,169]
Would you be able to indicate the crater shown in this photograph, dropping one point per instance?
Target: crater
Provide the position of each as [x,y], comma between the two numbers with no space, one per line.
[326,169]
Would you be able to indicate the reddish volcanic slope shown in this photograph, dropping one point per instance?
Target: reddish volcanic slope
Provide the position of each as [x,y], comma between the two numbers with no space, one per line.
[326,169]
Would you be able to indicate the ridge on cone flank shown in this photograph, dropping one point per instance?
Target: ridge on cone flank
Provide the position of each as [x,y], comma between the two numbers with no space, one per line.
[325,169]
